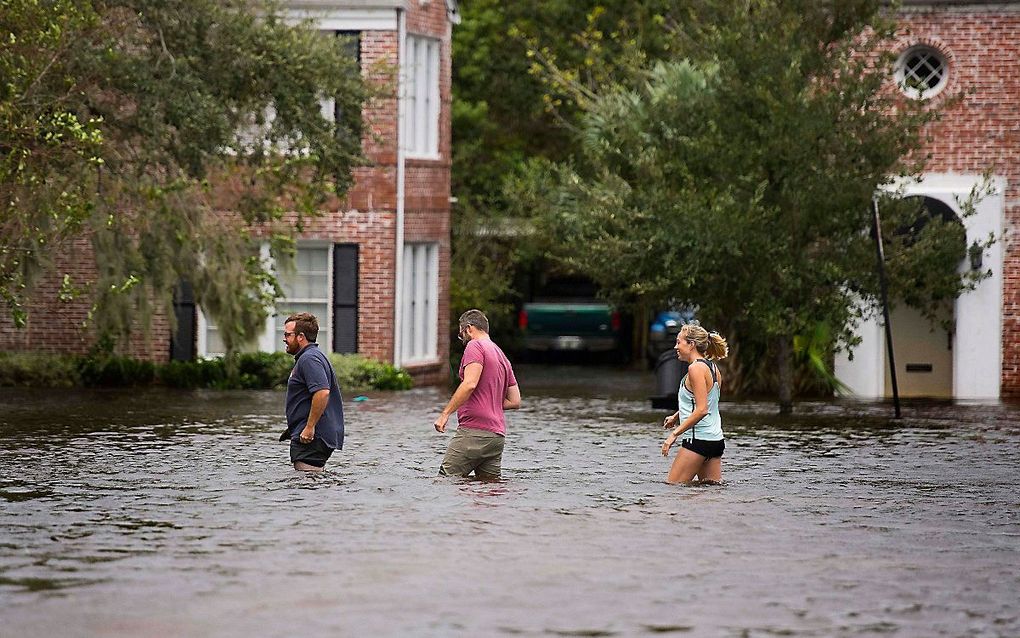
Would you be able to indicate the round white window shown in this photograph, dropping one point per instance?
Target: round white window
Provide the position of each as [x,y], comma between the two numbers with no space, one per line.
[922,72]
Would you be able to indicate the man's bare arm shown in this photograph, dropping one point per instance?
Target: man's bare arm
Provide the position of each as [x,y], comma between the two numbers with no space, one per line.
[472,373]
[512,400]
[319,402]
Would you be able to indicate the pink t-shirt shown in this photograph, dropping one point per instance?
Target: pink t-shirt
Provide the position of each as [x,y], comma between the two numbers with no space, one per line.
[484,408]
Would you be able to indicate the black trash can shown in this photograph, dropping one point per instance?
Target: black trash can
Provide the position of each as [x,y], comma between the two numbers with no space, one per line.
[668,372]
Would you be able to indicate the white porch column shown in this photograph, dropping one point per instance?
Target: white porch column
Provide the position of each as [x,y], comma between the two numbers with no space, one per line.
[865,375]
[977,343]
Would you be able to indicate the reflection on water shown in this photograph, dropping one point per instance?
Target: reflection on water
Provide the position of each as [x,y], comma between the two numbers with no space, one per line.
[161,513]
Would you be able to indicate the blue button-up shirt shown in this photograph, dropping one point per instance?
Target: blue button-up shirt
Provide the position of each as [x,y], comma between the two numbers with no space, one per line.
[313,372]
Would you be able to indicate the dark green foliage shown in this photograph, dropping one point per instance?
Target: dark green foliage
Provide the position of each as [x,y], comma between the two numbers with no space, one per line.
[391,378]
[38,370]
[254,370]
[264,369]
[736,175]
[507,109]
[137,123]
[356,372]
[49,150]
[112,371]
[201,373]
[483,266]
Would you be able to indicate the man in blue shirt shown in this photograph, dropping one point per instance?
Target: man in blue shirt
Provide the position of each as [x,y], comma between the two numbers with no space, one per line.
[315,411]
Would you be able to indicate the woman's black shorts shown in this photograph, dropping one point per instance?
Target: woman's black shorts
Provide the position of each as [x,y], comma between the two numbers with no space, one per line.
[315,453]
[707,449]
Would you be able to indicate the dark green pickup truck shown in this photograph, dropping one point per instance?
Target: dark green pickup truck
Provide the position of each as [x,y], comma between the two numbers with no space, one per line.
[587,326]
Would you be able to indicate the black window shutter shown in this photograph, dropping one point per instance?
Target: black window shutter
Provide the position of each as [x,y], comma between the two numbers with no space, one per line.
[345,298]
[182,343]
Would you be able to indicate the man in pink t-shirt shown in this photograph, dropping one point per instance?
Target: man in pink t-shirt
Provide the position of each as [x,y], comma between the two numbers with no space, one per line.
[487,388]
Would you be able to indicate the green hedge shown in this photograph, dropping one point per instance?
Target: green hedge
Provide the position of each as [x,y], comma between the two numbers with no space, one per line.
[257,370]
[201,373]
[45,370]
[354,371]
[115,371]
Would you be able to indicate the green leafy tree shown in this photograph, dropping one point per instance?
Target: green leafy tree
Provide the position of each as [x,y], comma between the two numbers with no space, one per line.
[507,110]
[46,145]
[737,174]
[178,136]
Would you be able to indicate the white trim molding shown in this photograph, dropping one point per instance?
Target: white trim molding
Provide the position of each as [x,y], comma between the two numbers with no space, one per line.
[346,16]
[977,342]
[398,240]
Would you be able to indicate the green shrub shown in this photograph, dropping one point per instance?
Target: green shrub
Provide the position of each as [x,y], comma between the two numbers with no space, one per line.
[355,372]
[116,371]
[391,378]
[201,373]
[247,371]
[264,369]
[42,370]
[255,370]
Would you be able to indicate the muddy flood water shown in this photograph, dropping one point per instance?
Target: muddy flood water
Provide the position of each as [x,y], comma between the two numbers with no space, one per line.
[157,513]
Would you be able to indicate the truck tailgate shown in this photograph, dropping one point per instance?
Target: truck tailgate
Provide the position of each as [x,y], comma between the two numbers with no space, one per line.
[569,318]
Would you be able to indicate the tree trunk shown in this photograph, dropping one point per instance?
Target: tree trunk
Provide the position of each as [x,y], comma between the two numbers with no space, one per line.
[784,366]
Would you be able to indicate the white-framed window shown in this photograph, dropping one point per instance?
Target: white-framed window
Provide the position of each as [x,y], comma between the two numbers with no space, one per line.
[210,341]
[421,97]
[921,72]
[350,42]
[210,338]
[419,303]
[306,288]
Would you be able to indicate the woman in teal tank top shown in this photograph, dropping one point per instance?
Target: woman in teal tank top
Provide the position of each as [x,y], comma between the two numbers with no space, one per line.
[697,423]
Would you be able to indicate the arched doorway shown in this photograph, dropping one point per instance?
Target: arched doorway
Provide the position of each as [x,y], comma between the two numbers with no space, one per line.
[924,348]
[978,343]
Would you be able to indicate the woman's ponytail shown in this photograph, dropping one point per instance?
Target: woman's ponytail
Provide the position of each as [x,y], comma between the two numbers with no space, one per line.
[717,347]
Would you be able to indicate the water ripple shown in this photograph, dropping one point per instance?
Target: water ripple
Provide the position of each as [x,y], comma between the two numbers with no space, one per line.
[176,513]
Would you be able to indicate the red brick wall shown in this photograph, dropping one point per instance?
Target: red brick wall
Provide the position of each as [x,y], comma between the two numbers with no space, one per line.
[56,326]
[366,216]
[982,132]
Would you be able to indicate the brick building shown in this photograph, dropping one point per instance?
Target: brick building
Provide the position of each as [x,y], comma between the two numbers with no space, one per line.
[375,267]
[946,47]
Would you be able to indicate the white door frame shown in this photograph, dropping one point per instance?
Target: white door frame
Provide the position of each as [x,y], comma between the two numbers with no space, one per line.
[977,342]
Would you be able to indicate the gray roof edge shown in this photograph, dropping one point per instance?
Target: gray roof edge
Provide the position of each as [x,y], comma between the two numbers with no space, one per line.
[345,4]
[959,3]
[452,6]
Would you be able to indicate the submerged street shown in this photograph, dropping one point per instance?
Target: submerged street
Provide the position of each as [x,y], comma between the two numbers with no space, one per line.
[150,512]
